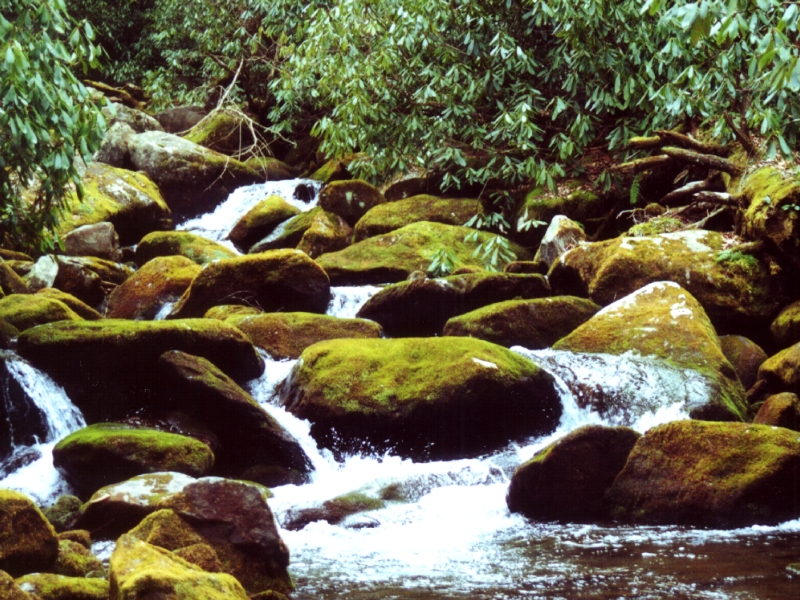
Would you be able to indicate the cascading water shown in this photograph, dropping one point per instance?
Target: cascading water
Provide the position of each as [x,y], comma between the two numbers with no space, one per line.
[347,300]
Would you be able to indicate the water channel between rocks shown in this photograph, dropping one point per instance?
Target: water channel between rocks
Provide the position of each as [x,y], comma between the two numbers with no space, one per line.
[455,538]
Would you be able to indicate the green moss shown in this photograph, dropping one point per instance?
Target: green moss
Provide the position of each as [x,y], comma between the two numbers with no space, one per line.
[656,226]
[24,311]
[333,170]
[336,510]
[330,231]
[222,131]
[27,540]
[63,513]
[227,311]
[47,586]
[80,308]
[75,560]
[350,199]
[260,221]
[571,201]
[171,243]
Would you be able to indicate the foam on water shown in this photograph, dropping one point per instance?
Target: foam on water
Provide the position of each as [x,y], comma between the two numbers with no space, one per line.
[346,301]
[39,479]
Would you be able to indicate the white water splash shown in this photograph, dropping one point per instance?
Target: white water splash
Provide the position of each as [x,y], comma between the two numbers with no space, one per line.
[346,301]
[39,479]
[164,311]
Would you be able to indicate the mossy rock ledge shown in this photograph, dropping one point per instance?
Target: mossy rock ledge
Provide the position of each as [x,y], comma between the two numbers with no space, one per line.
[28,542]
[421,307]
[106,453]
[425,398]
[394,256]
[664,321]
[710,475]
[180,243]
[108,368]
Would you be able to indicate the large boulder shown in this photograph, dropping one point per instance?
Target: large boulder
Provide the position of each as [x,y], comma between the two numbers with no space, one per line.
[114,151]
[710,474]
[28,542]
[24,311]
[159,283]
[49,586]
[387,217]
[561,235]
[272,169]
[780,410]
[77,306]
[285,335]
[224,131]
[421,307]
[98,239]
[785,329]
[108,368]
[10,281]
[394,256]
[350,199]
[260,221]
[193,179]
[251,441]
[533,324]
[86,278]
[568,479]
[140,571]
[733,289]
[276,280]
[180,119]
[429,398]
[106,453]
[180,243]
[9,590]
[130,201]
[314,232]
[664,321]
[745,355]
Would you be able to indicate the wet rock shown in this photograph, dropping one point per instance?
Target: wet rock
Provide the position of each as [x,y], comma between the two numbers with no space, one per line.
[429,398]
[64,513]
[106,453]
[28,542]
[568,479]
[387,217]
[421,307]
[248,435]
[98,239]
[350,199]
[394,256]
[193,179]
[75,560]
[532,324]
[22,423]
[745,355]
[140,570]
[663,320]
[407,185]
[47,586]
[735,292]
[115,359]
[780,410]
[180,243]
[286,280]
[160,282]
[24,311]
[21,457]
[710,475]
[181,118]
[333,511]
[561,235]
[82,309]
[260,221]
[223,131]
[314,232]
[8,335]
[285,335]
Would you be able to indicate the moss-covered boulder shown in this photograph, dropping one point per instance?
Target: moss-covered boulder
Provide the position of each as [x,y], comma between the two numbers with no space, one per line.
[160,282]
[260,221]
[79,307]
[333,511]
[785,329]
[779,373]
[79,536]
[533,324]
[28,542]
[561,235]
[129,200]
[181,119]
[108,368]
[387,217]
[710,474]
[98,239]
[249,437]
[106,453]
[9,590]
[24,311]
[192,178]
[180,243]
[10,281]
[272,169]
[223,312]
[48,586]
[733,289]
[76,560]
[664,321]
[140,570]
[421,307]
[394,256]
[276,280]
[780,410]
[745,355]
[350,199]
[428,398]
[568,480]
[87,278]
[333,170]
[286,335]
[314,232]
[63,514]
[223,131]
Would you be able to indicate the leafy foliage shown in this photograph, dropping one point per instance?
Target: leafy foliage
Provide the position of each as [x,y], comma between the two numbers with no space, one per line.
[46,117]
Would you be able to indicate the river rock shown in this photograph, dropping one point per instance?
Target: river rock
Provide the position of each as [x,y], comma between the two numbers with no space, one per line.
[180,243]
[394,256]
[561,235]
[260,221]
[705,474]
[130,201]
[64,513]
[114,150]
[285,335]
[779,373]
[421,307]
[48,586]
[540,205]
[10,281]
[737,291]
[568,479]
[9,590]
[428,398]
[159,283]
[780,410]
[271,168]
[76,560]
[252,442]
[333,511]
[108,368]
[785,329]
[139,570]
[223,131]
[137,120]
[24,311]
[88,278]
[533,324]
[80,308]
[223,312]
[663,320]
[286,280]
[333,170]
[180,119]
[314,232]
[745,355]
[350,199]
[98,239]
[106,453]
[28,542]
[193,179]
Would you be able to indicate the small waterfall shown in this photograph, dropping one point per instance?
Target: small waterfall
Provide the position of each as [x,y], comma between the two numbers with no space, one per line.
[346,301]
[164,311]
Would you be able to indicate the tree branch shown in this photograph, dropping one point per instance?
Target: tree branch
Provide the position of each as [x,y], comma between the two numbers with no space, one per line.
[703,160]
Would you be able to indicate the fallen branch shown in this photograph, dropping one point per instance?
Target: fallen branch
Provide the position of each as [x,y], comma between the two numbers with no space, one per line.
[644,143]
[722,198]
[703,160]
[687,191]
[685,141]
[643,164]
